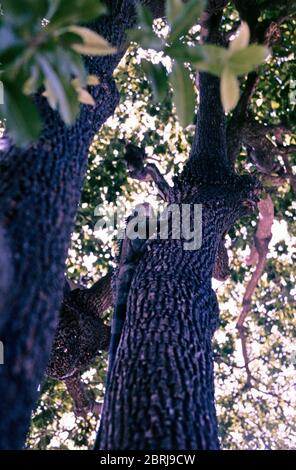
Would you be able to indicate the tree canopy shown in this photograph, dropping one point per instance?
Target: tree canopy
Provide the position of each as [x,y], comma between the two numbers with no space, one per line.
[259,417]
[255,366]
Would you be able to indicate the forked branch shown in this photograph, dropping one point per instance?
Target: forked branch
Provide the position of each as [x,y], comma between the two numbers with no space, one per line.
[269,33]
[140,170]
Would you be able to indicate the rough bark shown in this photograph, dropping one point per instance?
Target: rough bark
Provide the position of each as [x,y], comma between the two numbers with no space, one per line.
[39,193]
[160,393]
[160,390]
[268,32]
[208,157]
[81,335]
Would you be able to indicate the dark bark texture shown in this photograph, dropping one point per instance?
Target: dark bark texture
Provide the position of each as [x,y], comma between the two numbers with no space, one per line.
[160,393]
[160,390]
[39,193]
[81,335]
[79,338]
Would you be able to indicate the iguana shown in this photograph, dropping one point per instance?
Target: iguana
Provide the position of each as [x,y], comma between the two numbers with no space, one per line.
[129,255]
[81,332]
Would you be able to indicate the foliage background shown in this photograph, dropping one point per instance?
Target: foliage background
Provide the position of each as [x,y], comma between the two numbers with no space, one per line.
[262,417]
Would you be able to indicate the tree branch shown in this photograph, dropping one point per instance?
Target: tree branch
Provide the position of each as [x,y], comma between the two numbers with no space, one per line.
[208,156]
[269,33]
[257,257]
[238,119]
[39,195]
[263,152]
[83,403]
[135,160]
[80,336]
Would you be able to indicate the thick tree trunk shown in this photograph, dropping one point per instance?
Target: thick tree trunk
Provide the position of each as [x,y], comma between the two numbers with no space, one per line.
[39,194]
[161,387]
[160,391]
[208,158]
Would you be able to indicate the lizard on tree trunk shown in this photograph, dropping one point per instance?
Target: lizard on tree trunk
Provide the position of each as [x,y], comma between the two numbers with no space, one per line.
[160,392]
[81,333]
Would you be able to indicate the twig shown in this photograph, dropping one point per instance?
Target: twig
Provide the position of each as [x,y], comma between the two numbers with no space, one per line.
[259,252]
[264,153]
[270,33]
[238,119]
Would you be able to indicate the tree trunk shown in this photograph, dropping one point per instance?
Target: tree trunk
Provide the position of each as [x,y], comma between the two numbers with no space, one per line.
[160,391]
[39,193]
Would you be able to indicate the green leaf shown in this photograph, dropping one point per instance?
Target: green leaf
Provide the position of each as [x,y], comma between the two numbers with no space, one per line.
[229,87]
[12,55]
[33,83]
[82,94]
[242,38]
[192,54]
[9,38]
[245,60]
[67,38]
[22,118]
[187,18]
[157,76]
[146,39]
[183,93]
[50,96]
[145,35]
[64,93]
[173,9]
[93,43]
[26,9]
[64,12]
[215,59]
[67,63]
[145,17]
